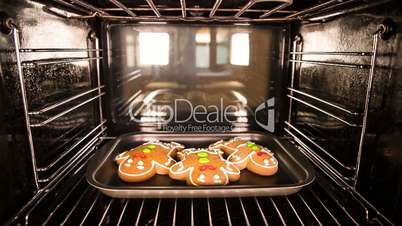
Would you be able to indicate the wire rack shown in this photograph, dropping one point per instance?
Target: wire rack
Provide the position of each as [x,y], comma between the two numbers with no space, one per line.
[251,11]
[73,202]
[307,100]
[81,145]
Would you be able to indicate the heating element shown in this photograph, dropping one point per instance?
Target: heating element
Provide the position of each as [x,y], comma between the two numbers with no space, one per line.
[252,11]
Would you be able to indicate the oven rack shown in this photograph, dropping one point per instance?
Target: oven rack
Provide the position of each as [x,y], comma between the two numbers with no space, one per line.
[74,202]
[279,12]
[292,130]
[81,143]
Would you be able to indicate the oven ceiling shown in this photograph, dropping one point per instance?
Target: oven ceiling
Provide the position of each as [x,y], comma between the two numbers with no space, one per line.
[204,10]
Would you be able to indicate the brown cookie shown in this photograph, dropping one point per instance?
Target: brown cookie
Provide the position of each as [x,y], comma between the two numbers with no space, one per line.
[246,154]
[143,162]
[200,167]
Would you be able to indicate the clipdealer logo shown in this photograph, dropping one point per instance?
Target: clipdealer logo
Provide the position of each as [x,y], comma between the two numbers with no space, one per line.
[206,117]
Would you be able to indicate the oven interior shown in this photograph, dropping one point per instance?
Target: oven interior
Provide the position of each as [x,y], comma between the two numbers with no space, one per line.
[76,74]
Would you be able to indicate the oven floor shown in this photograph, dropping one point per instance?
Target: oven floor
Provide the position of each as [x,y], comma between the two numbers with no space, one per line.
[74,202]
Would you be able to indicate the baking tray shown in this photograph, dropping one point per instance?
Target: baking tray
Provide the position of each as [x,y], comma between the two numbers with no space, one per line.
[295,172]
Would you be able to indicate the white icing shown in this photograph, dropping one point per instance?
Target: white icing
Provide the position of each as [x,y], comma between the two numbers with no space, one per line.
[136,174]
[127,164]
[217,177]
[140,163]
[227,170]
[122,156]
[238,162]
[236,157]
[181,167]
[129,160]
[274,165]
[140,166]
[181,170]
[201,178]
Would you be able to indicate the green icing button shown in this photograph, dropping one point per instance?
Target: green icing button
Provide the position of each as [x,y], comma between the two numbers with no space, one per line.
[250,144]
[255,148]
[146,150]
[203,160]
[151,146]
[202,154]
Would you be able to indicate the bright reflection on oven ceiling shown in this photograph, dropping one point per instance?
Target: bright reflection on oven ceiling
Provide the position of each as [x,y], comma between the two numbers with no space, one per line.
[240,49]
[154,48]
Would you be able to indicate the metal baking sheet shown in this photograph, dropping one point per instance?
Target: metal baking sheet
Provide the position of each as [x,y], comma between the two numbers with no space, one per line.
[294,172]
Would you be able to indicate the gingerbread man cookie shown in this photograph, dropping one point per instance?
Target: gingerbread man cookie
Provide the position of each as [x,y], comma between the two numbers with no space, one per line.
[143,162]
[246,154]
[200,167]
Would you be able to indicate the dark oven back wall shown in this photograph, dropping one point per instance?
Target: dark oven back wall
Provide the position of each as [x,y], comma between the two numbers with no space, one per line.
[380,174]
[45,85]
[184,76]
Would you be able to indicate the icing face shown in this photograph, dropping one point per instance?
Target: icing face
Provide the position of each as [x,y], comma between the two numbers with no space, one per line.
[204,167]
[246,154]
[144,161]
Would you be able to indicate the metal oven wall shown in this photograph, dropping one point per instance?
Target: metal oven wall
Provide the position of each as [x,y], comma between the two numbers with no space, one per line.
[45,85]
[379,178]
[136,91]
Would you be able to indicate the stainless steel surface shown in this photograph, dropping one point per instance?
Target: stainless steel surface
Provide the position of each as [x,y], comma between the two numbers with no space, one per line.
[195,9]
[367,103]
[309,209]
[40,62]
[319,146]
[324,101]
[58,104]
[244,212]
[215,8]
[359,66]
[249,4]
[313,8]
[226,19]
[294,211]
[81,154]
[98,80]
[333,53]
[123,7]
[25,106]
[38,50]
[227,212]
[69,150]
[89,6]
[296,44]
[153,7]
[330,171]
[72,6]
[349,10]
[276,9]
[299,14]
[51,119]
[324,111]
[183,8]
